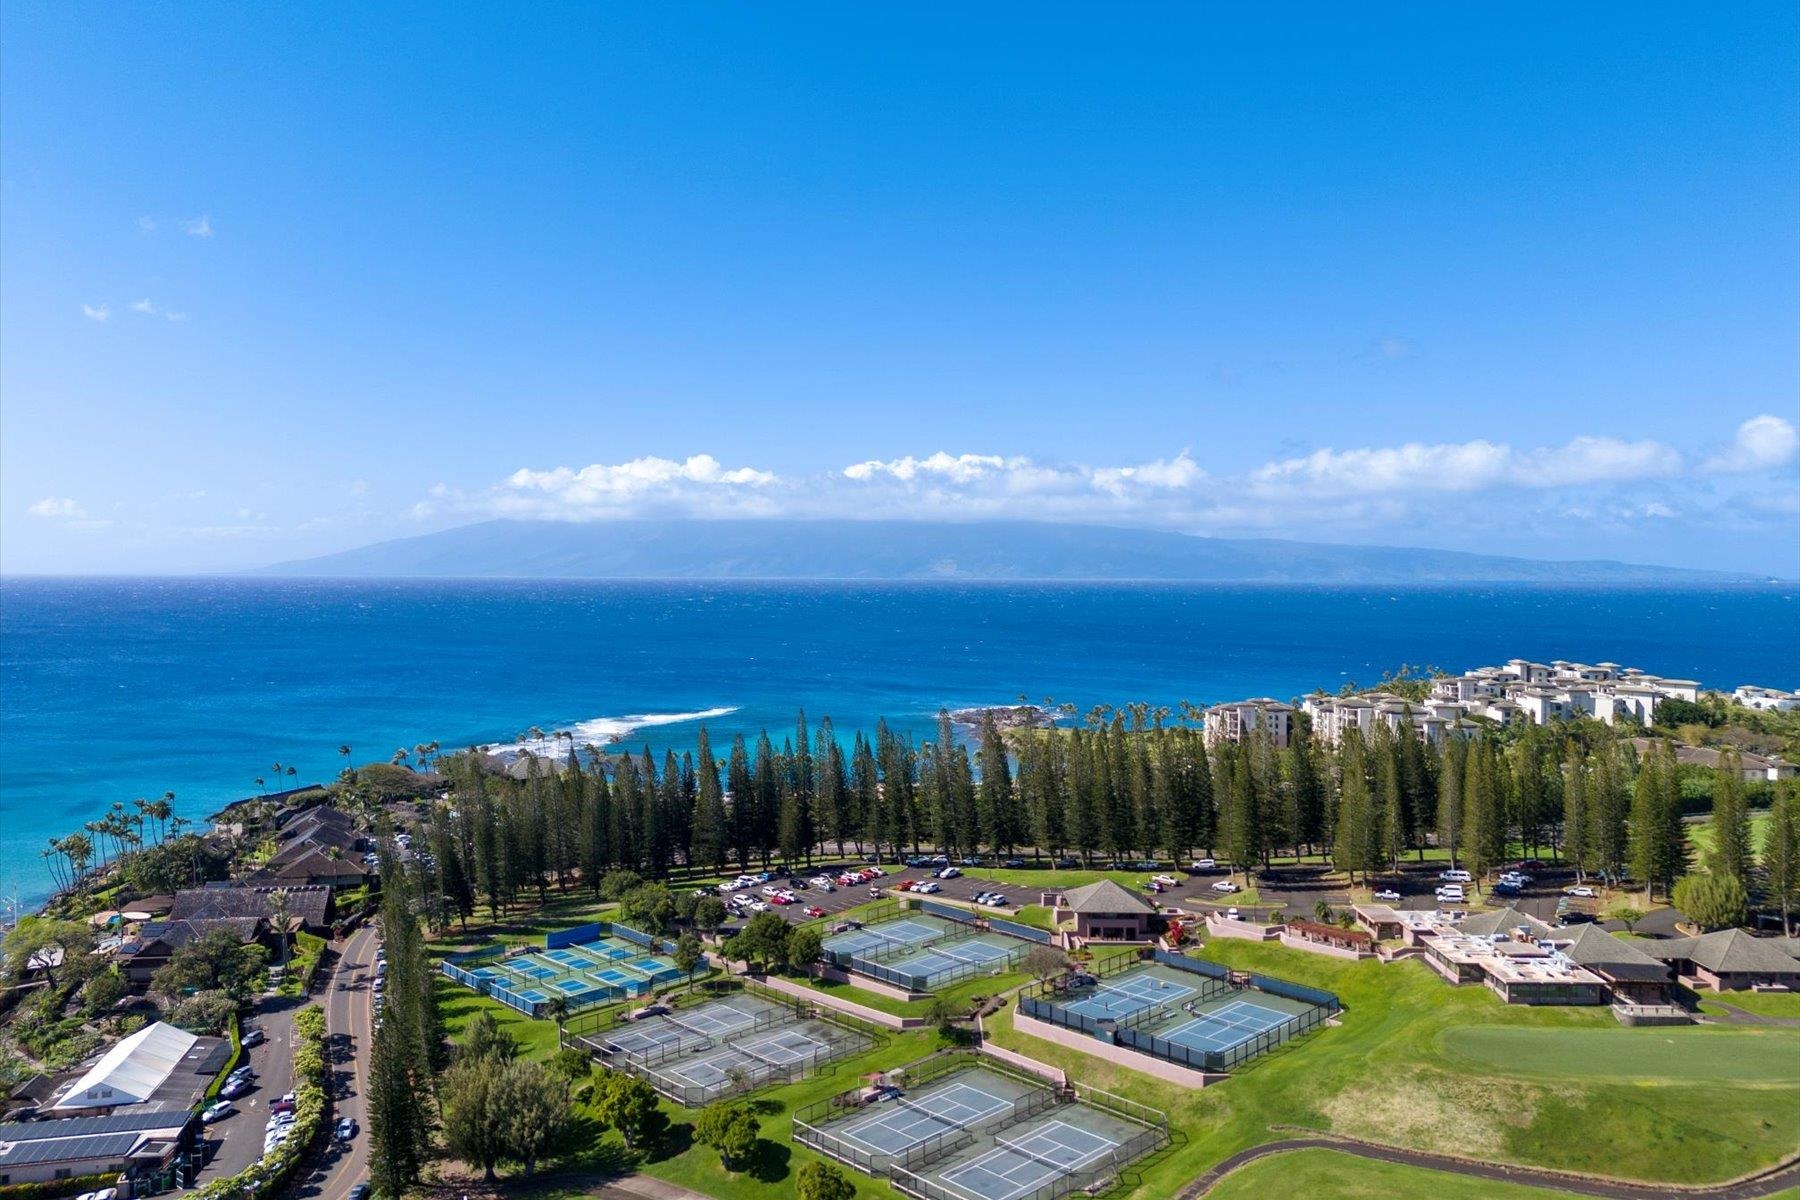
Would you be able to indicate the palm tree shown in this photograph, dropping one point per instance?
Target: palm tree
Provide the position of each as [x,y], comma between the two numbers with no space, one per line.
[344,749]
[259,785]
[292,772]
[557,1009]
[278,908]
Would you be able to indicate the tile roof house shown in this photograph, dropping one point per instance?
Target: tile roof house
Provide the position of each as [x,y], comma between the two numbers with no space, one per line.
[1508,921]
[141,956]
[310,906]
[1729,960]
[1106,911]
[313,867]
[1631,975]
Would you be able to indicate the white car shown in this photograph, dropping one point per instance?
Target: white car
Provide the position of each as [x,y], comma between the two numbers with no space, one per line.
[1452,892]
[948,873]
[1203,864]
[1387,894]
[928,888]
[770,889]
[1581,890]
[1226,886]
[823,883]
[1167,880]
[1455,877]
[217,1112]
[760,906]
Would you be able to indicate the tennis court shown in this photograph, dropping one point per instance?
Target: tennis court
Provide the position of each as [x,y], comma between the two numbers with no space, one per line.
[898,1124]
[581,975]
[1232,1024]
[695,1028]
[1124,995]
[1023,1164]
[725,1046]
[782,1049]
[888,936]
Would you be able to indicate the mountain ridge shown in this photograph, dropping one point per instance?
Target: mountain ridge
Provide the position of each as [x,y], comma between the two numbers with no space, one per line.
[845,549]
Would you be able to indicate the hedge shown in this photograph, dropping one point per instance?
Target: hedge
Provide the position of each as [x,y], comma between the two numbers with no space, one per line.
[58,1187]
[275,1169]
[237,1052]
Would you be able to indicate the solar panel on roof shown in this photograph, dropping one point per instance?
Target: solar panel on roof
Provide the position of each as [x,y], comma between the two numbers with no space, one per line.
[64,1149]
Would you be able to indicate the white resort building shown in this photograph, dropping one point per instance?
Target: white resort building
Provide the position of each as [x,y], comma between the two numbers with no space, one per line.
[1519,691]
[1766,699]
[1235,721]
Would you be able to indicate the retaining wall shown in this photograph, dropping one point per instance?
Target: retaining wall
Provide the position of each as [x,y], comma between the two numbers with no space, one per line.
[1117,1055]
[872,1015]
[1299,943]
[1250,931]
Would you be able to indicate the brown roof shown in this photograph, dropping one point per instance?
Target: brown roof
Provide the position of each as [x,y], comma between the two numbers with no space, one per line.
[1729,951]
[1105,897]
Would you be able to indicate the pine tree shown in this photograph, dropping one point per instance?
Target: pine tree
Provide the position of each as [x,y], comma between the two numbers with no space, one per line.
[1655,838]
[865,819]
[1390,812]
[1308,787]
[743,803]
[831,788]
[1450,797]
[1355,809]
[1781,853]
[1730,853]
[997,803]
[709,836]
[1483,833]
[1576,820]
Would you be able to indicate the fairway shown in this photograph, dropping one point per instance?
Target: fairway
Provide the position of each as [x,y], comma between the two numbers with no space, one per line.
[1679,1054]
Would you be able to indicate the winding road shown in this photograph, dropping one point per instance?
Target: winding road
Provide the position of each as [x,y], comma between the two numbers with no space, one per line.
[1767,1183]
[350,1034]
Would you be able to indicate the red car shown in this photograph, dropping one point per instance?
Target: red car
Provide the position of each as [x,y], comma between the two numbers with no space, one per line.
[905,885]
[814,910]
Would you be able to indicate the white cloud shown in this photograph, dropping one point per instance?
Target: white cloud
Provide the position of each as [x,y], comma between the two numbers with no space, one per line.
[357,487]
[57,508]
[1761,443]
[1466,467]
[143,306]
[961,468]
[697,486]
[176,316]
[943,474]
[96,312]
[200,227]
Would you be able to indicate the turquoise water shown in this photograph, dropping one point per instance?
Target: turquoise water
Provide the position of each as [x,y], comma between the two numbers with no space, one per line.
[113,689]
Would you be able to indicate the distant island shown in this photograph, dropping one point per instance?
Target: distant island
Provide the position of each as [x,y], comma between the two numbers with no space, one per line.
[925,550]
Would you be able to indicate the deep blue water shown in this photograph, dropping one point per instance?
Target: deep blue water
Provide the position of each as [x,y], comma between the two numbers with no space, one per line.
[113,689]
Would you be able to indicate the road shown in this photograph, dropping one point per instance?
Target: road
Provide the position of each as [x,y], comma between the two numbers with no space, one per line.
[236,1142]
[349,1031]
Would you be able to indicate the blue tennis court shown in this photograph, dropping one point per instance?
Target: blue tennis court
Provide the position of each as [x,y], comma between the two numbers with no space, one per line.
[907,931]
[1229,1025]
[899,1124]
[1123,996]
[1014,1168]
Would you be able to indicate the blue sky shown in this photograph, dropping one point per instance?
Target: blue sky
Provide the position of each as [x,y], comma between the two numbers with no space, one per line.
[277,283]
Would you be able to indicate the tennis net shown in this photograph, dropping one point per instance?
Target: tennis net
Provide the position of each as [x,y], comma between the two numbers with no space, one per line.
[678,1023]
[903,1102]
[1058,1167]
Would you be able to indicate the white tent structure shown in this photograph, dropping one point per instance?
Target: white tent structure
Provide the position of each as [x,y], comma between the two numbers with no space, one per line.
[131,1071]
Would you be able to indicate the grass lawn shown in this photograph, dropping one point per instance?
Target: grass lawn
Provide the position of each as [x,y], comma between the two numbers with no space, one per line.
[1763,1004]
[1328,1175]
[302,963]
[1700,834]
[961,993]
[1662,1055]
[457,1006]
[1384,1075]
[515,928]
[675,1157]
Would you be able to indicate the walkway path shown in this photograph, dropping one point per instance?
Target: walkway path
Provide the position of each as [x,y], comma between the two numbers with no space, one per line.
[1766,1183]
[1733,1015]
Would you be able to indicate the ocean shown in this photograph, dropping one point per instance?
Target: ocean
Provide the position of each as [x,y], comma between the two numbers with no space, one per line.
[120,688]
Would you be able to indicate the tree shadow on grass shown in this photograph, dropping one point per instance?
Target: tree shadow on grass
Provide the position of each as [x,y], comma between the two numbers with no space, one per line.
[674,1138]
[769,1161]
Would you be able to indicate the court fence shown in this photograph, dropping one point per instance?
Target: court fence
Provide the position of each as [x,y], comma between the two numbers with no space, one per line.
[1030,933]
[1039,1001]
[594,993]
[750,1072]
[811,1122]
[812,1128]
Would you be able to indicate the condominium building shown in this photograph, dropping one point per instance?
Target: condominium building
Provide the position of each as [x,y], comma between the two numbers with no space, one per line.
[1238,720]
[1766,699]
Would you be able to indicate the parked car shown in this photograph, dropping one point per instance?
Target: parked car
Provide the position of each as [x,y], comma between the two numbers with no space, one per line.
[949,873]
[360,1191]
[1455,876]
[770,889]
[1387,895]
[996,900]
[217,1112]
[760,906]
[1226,886]
[824,883]
[1167,880]
[1451,893]
[253,1036]
[1575,916]
[281,1106]
[235,1088]
[1065,863]
[928,888]
[1504,888]
[814,910]
[1203,864]
[1581,890]
[1013,864]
